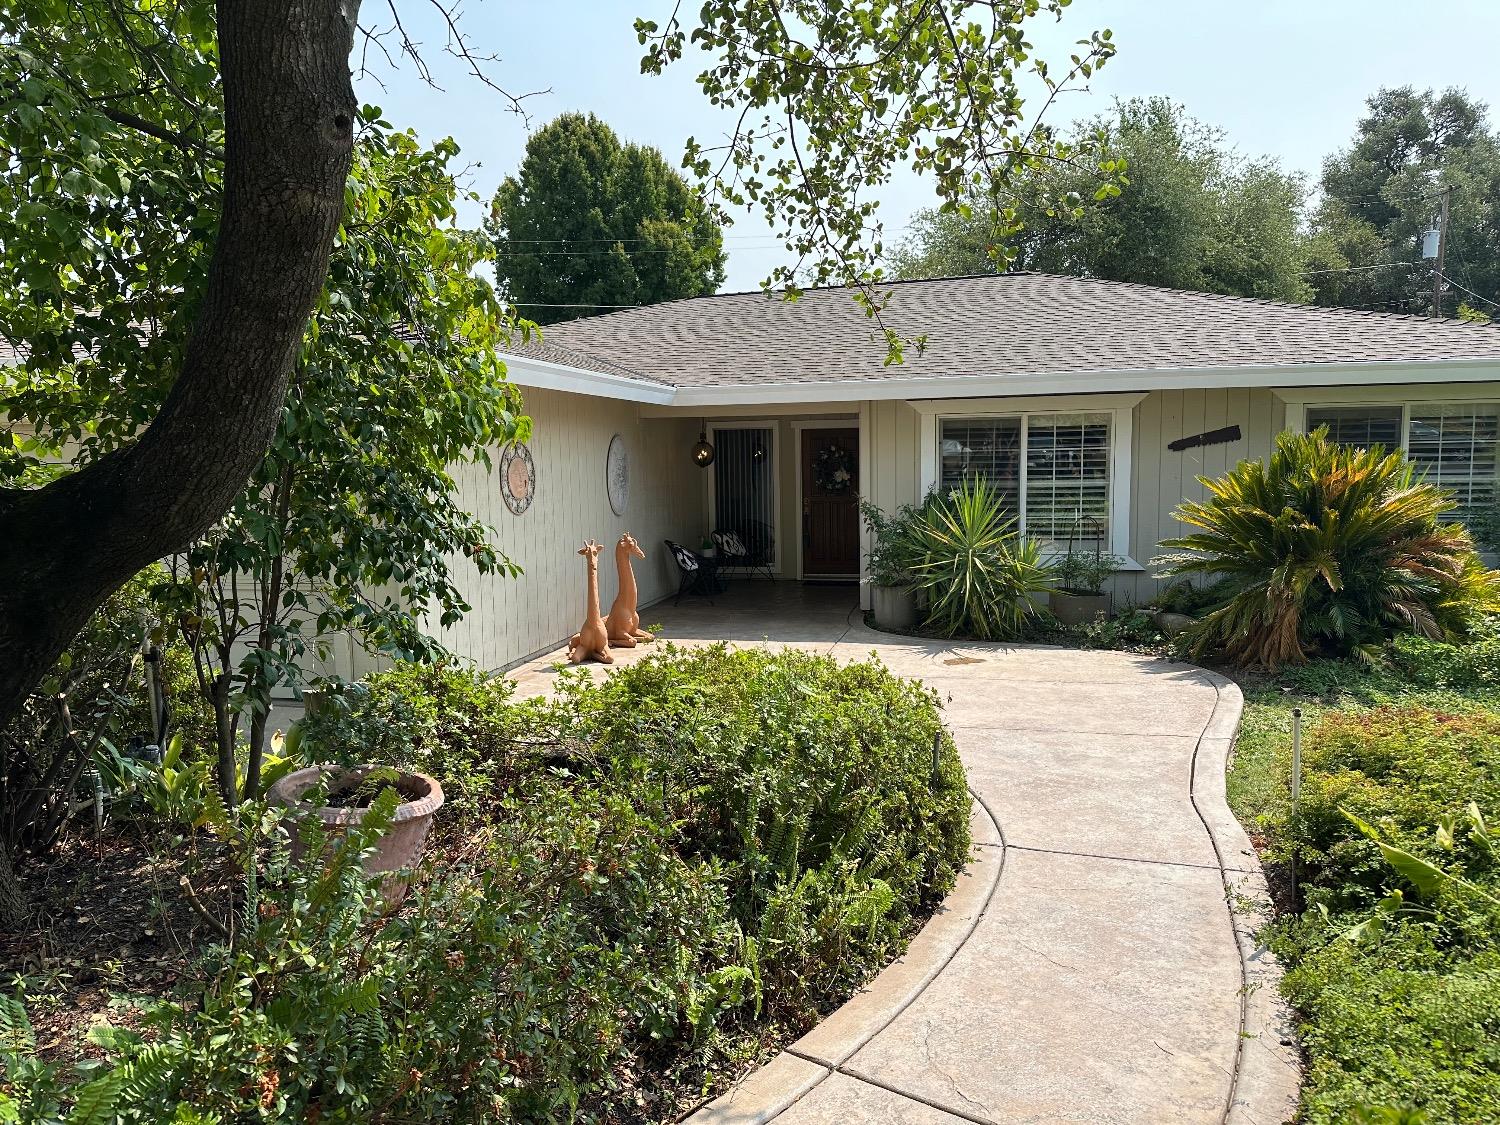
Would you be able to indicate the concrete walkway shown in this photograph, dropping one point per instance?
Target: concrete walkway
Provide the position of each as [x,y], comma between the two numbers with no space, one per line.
[1094,963]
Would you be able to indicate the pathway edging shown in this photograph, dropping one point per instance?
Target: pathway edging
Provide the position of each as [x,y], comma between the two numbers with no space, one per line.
[1267,1072]
[769,1090]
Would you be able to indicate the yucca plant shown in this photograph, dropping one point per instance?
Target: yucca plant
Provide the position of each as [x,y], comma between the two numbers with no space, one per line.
[1327,550]
[971,569]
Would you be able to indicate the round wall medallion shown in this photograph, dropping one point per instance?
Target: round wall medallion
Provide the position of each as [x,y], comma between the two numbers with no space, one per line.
[517,477]
[617,475]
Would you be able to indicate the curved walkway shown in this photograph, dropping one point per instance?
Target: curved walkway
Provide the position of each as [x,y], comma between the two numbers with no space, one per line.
[1094,963]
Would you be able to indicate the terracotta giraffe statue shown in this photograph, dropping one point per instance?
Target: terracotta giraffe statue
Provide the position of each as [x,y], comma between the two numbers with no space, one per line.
[592,640]
[623,623]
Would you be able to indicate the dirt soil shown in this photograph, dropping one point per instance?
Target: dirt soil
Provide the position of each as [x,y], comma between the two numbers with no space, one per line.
[109,921]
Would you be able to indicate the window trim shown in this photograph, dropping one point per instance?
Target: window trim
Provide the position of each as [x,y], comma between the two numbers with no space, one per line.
[1119,407]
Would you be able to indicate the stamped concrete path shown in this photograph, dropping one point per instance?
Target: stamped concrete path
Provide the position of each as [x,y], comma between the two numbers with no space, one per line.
[1094,963]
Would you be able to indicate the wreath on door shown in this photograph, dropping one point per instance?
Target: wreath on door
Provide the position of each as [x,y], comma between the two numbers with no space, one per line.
[833,469]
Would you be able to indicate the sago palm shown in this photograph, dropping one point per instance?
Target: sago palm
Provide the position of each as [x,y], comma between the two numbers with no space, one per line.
[976,576]
[1328,549]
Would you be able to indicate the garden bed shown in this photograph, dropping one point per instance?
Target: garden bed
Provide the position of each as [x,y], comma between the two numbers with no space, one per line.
[1400,1018]
[637,890]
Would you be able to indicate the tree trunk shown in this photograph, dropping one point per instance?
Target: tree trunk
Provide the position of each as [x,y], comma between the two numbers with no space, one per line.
[289,115]
[14,912]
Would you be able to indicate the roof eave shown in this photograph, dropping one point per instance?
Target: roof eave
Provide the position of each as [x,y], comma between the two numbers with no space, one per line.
[530,372]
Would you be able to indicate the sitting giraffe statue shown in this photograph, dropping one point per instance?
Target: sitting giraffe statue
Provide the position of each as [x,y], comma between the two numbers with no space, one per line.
[592,640]
[623,623]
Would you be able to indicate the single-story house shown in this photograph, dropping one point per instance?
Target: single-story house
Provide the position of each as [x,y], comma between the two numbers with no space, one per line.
[1072,395]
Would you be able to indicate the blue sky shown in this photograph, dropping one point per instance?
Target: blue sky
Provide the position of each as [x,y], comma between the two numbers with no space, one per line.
[1282,77]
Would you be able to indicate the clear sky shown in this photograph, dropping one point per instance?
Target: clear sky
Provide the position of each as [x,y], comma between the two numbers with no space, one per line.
[1282,77]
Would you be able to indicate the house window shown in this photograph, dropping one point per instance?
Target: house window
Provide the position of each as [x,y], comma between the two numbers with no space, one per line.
[1052,470]
[1360,426]
[1454,445]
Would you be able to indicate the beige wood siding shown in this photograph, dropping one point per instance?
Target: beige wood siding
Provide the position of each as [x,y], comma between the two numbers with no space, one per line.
[512,618]
[1162,479]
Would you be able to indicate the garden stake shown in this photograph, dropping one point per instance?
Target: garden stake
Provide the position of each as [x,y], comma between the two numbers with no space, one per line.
[1296,789]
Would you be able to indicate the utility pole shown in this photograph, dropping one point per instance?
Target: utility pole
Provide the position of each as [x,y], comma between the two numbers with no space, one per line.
[1442,246]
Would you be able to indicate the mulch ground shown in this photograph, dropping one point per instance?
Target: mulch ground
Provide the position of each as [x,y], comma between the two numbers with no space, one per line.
[108,924]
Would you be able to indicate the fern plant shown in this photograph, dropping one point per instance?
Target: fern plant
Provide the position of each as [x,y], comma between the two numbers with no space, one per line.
[974,572]
[1327,550]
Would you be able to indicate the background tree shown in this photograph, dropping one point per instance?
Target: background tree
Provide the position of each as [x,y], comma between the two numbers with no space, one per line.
[1194,214]
[1380,194]
[588,223]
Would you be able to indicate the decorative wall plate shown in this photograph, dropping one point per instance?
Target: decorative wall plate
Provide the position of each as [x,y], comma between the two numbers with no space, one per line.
[617,475]
[517,477]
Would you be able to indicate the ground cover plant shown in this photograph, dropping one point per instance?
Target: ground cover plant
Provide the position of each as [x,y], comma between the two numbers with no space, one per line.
[636,889]
[1395,971]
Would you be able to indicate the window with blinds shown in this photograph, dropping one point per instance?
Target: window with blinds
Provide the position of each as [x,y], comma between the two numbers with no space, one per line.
[744,487]
[1453,445]
[1052,469]
[1359,426]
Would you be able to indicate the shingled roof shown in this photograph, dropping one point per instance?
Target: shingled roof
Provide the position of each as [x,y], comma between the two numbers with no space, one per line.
[1021,324]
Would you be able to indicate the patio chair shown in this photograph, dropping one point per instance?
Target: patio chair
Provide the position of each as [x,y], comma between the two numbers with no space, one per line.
[759,541]
[735,553]
[695,572]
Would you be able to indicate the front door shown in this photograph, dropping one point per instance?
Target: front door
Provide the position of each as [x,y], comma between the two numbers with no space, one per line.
[830,503]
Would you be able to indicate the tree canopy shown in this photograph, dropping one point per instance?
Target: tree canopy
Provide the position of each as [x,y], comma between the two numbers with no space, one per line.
[1381,193]
[588,224]
[1192,214]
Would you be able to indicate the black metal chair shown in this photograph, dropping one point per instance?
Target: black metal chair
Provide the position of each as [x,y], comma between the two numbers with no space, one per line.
[695,572]
[735,554]
[751,549]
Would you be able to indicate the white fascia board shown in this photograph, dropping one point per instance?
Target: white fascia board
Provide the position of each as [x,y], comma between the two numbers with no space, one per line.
[529,372]
[543,374]
[1092,382]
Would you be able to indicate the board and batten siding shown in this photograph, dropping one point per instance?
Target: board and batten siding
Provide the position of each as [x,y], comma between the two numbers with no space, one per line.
[515,618]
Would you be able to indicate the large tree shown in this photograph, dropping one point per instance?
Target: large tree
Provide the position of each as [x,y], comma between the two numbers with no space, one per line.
[829,98]
[1193,214]
[1381,193]
[588,224]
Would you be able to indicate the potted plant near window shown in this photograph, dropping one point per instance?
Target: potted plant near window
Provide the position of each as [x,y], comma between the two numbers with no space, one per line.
[1079,596]
[888,567]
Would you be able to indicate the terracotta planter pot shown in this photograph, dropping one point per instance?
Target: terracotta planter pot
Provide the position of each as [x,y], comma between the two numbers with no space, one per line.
[895,606]
[1077,609]
[402,844]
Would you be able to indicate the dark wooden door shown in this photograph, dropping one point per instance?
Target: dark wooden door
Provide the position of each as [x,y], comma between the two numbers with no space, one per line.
[830,503]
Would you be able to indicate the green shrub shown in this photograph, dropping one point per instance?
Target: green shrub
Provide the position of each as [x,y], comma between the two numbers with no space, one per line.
[1438,664]
[1401,769]
[1193,598]
[1401,1021]
[1085,572]
[976,576]
[1381,1033]
[639,881]
[1330,549]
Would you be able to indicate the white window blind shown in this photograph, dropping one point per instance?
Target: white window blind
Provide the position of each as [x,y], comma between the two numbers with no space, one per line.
[1454,446]
[1052,469]
[1359,426]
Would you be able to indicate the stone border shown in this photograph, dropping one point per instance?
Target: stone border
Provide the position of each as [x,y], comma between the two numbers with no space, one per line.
[768,1090]
[1268,1069]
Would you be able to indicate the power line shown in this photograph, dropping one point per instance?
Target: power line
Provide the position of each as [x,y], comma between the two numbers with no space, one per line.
[1357,269]
[1470,292]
